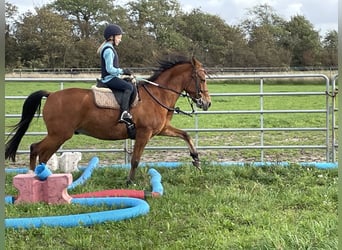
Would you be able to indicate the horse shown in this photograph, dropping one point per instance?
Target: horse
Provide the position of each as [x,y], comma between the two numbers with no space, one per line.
[73,111]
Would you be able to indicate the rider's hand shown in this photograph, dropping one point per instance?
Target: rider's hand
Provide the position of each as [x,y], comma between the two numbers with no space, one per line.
[127,72]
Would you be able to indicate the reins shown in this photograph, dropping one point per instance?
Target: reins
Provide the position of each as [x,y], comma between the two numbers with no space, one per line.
[176,109]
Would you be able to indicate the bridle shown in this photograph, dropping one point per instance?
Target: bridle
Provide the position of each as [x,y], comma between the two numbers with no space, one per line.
[191,100]
[198,83]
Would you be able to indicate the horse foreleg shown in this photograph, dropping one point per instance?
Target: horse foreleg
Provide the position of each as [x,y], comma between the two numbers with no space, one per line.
[174,132]
[140,142]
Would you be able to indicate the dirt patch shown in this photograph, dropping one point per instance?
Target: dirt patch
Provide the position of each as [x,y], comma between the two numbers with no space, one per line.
[245,156]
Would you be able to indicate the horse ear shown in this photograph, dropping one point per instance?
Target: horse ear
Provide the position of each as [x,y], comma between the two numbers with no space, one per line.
[195,62]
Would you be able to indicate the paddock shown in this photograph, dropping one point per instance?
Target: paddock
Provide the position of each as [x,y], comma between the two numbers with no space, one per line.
[288,207]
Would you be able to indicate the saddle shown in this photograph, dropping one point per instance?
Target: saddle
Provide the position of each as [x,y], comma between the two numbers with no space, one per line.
[106,98]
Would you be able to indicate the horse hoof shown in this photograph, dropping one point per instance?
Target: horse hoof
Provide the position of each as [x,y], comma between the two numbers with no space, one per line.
[197,164]
[129,182]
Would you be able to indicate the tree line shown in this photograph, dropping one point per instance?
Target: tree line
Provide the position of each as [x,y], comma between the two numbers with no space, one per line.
[67,33]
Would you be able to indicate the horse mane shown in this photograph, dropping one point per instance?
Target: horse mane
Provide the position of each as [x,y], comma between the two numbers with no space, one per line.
[167,63]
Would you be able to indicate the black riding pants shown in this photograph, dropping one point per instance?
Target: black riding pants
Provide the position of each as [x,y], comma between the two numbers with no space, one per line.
[127,88]
[118,84]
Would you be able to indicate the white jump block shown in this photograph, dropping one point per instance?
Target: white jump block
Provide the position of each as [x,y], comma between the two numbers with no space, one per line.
[53,163]
[67,162]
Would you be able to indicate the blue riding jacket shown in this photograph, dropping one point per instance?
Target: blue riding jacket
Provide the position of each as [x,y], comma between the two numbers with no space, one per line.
[109,63]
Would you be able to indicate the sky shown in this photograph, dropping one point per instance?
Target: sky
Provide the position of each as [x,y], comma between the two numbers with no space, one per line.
[322,14]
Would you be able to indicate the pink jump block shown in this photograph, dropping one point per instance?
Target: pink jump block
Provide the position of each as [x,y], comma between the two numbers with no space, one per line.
[53,190]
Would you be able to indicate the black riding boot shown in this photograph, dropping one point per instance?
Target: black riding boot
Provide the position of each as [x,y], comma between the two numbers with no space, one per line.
[126,117]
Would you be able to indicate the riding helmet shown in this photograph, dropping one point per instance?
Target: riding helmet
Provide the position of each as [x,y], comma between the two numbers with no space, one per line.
[112,29]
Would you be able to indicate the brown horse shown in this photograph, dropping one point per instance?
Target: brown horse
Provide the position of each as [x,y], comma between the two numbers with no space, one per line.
[73,110]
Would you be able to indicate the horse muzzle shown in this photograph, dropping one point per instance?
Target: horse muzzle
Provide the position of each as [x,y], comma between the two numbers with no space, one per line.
[202,104]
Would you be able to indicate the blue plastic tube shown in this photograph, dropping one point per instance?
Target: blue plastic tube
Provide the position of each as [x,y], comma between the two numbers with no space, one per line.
[156,181]
[321,165]
[132,207]
[86,173]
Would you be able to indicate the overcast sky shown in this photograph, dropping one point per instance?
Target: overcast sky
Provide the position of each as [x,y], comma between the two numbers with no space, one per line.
[322,14]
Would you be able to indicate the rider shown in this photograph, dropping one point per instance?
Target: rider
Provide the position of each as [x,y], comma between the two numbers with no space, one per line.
[110,70]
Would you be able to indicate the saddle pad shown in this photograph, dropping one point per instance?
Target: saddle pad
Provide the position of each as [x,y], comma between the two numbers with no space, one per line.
[104,98]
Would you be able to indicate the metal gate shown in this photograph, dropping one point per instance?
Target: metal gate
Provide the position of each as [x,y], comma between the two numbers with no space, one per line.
[328,109]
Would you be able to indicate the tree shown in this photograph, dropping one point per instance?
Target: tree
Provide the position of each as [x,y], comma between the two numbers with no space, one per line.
[11,52]
[211,39]
[42,43]
[264,30]
[330,49]
[303,41]
[137,49]
[83,54]
[160,19]
[11,11]
[85,15]
[67,33]
[89,19]
[262,15]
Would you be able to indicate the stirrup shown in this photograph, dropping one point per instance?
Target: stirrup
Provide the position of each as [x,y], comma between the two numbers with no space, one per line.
[126,117]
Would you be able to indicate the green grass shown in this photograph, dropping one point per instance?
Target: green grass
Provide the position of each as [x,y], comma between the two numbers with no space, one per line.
[218,208]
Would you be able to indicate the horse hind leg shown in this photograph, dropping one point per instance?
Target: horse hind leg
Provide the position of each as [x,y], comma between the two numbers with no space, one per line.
[44,150]
[33,155]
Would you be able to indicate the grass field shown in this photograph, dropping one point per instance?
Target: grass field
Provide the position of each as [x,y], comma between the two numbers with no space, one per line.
[219,208]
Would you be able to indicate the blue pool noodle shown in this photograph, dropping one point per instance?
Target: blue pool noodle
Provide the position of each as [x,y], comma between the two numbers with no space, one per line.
[156,181]
[132,207]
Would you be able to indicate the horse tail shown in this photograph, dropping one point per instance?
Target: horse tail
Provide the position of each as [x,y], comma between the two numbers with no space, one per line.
[31,105]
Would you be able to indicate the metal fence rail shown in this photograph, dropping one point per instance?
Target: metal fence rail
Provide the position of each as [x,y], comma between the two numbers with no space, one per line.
[328,109]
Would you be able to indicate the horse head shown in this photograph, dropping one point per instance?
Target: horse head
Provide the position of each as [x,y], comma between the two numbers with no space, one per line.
[178,74]
[197,88]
